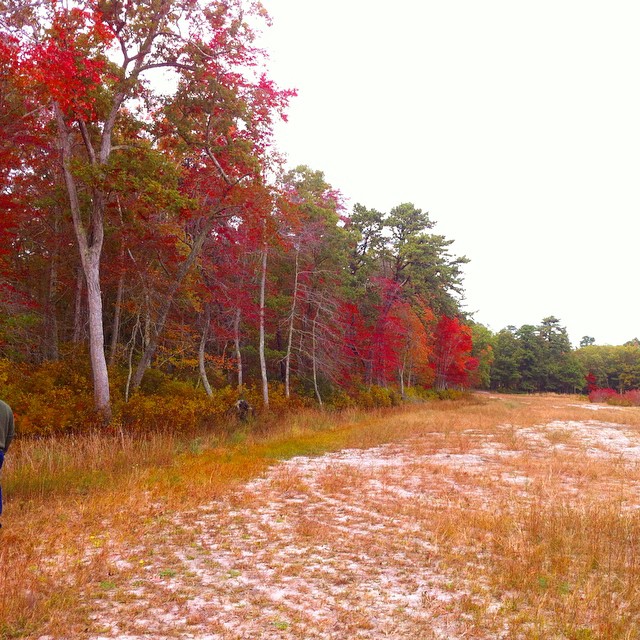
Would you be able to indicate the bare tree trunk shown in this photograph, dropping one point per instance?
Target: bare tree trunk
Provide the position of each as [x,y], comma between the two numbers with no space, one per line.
[314,362]
[236,340]
[131,345]
[401,376]
[263,362]
[287,360]
[281,364]
[78,312]
[201,351]
[90,246]
[444,362]
[117,312]
[51,316]
[146,335]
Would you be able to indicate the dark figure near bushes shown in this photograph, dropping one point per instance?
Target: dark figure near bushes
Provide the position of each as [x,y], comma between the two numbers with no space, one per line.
[7,432]
[243,410]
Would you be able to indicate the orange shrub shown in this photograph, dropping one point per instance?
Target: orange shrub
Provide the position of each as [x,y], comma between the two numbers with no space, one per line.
[58,410]
[180,409]
[53,397]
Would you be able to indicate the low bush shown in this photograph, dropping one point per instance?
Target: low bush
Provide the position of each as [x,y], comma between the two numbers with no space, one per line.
[48,399]
[375,397]
[56,398]
[629,398]
[633,397]
[602,395]
[420,393]
[626,399]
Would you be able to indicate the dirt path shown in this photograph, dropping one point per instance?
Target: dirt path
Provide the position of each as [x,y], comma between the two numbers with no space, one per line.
[386,542]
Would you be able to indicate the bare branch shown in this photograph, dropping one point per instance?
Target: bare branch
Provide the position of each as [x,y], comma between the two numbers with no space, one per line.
[87,141]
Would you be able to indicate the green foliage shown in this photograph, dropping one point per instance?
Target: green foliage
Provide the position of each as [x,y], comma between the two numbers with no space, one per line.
[420,261]
[615,367]
[535,359]
[15,333]
[505,371]
[483,351]
[364,229]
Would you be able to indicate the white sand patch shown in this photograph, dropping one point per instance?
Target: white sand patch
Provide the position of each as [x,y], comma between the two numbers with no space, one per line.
[598,437]
[346,545]
[598,407]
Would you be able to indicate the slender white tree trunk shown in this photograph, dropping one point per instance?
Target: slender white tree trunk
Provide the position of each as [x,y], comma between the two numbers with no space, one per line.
[202,350]
[77,311]
[263,362]
[115,331]
[287,369]
[314,361]
[236,340]
[90,247]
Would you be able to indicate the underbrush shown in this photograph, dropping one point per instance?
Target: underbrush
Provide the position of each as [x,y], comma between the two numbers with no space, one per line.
[55,398]
[629,398]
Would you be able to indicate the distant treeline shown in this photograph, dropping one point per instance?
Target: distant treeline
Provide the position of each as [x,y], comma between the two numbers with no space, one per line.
[540,358]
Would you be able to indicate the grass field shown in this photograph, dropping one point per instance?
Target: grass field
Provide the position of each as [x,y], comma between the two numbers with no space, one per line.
[493,517]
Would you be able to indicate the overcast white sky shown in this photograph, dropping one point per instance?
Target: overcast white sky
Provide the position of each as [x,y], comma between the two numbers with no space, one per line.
[515,124]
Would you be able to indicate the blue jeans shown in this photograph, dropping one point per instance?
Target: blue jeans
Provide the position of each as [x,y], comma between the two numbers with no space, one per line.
[1,461]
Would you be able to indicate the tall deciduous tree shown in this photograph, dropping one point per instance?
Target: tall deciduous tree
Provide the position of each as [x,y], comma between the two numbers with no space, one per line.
[88,63]
[316,244]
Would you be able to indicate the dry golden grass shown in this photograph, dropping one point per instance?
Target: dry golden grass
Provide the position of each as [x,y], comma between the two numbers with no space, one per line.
[495,517]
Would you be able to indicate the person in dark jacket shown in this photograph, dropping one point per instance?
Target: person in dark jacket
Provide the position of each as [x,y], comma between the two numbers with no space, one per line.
[7,433]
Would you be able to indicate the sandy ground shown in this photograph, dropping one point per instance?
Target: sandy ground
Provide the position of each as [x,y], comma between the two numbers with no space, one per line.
[347,545]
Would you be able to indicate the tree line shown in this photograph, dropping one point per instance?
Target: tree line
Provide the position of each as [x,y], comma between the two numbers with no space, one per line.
[540,358]
[149,222]
[149,226]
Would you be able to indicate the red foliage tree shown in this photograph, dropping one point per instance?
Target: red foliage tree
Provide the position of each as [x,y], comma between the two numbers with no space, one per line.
[452,361]
[592,383]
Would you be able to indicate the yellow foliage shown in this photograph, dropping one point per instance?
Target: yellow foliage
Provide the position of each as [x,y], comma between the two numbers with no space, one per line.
[56,411]
[50,398]
[377,397]
[179,409]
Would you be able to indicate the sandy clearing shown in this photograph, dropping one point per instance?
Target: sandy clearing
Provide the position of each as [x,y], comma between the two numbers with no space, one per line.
[347,545]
